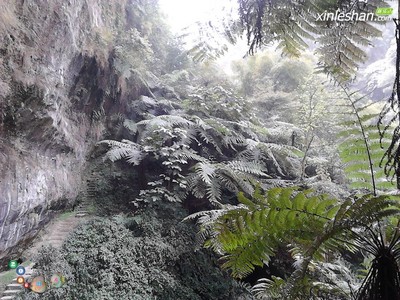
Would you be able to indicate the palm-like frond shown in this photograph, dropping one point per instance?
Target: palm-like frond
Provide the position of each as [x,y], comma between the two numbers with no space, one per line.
[361,147]
[250,233]
[209,179]
[125,149]
[205,171]
[130,125]
[383,278]
[166,121]
[293,24]
[343,60]
[278,154]
[247,167]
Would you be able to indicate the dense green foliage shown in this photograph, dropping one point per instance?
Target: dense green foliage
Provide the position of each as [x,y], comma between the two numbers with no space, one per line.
[149,256]
[202,146]
[256,158]
[199,151]
[200,143]
[312,227]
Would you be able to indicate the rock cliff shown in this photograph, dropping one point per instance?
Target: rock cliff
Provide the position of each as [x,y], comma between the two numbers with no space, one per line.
[60,67]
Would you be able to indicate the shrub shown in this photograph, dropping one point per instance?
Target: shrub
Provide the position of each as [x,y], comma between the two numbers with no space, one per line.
[148,256]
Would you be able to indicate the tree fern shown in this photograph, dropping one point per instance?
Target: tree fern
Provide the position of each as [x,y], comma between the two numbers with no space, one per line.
[383,278]
[178,142]
[125,149]
[293,24]
[360,149]
[278,154]
[209,179]
[187,147]
[165,121]
[250,233]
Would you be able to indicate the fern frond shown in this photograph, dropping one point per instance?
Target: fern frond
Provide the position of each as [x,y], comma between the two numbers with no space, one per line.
[247,167]
[237,179]
[313,225]
[125,149]
[205,171]
[208,139]
[189,154]
[227,182]
[269,288]
[210,179]
[214,192]
[360,149]
[199,187]
[130,125]
[166,121]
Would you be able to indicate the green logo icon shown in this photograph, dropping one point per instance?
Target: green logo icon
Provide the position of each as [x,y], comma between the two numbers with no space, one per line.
[57,280]
[12,264]
[384,11]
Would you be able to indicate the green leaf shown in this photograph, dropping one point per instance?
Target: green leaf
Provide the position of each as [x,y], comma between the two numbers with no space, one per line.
[331,213]
[298,201]
[323,205]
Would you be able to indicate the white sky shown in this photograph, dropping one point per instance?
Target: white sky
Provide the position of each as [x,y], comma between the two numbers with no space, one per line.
[182,13]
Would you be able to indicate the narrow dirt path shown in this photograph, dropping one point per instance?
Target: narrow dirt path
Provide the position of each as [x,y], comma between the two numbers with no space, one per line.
[54,234]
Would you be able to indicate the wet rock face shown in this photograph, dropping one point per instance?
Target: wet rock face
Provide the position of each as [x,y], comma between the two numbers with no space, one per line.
[57,69]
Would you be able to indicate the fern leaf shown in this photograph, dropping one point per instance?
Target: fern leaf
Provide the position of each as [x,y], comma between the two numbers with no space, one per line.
[130,125]
[248,167]
[250,233]
[125,149]
[205,171]
[166,121]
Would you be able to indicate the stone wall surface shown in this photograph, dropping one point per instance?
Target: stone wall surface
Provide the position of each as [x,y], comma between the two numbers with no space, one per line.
[57,69]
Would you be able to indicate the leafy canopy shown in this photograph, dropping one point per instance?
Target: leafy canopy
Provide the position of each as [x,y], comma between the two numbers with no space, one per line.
[293,25]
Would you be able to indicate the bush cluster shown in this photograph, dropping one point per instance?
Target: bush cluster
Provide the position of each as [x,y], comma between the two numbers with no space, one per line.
[148,256]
